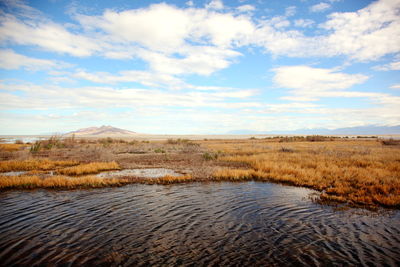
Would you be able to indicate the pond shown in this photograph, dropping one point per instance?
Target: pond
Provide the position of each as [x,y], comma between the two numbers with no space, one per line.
[199,224]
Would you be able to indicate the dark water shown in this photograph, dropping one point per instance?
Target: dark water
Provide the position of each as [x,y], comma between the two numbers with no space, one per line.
[225,224]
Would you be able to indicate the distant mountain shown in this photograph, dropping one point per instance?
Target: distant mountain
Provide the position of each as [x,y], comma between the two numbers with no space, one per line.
[366,130]
[360,130]
[247,132]
[101,131]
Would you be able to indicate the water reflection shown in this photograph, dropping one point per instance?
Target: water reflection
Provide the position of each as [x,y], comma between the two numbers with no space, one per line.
[143,173]
[192,224]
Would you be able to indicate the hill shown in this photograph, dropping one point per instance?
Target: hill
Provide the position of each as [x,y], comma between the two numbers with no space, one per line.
[101,131]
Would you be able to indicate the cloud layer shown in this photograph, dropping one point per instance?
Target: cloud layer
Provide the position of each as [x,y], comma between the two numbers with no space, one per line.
[165,58]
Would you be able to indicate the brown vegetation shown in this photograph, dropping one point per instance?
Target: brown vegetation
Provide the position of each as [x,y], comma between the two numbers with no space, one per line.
[65,182]
[90,168]
[162,180]
[11,147]
[34,164]
[57,182]
[390,142]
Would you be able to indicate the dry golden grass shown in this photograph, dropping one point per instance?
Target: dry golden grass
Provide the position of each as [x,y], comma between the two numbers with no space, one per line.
[170,179]
[90,168]
[33,164]
[11,147]
[64,182]
[359,172]
[226,174]
[57,182]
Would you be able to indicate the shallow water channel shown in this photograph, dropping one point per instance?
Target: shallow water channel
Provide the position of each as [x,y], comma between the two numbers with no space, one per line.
[142,173]
[199,224]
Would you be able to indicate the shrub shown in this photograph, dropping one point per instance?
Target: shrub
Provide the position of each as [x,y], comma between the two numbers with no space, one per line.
[210,156]
[35,147]
[286,149]
[177,141]
[54,141]
[90,168]
[390,142]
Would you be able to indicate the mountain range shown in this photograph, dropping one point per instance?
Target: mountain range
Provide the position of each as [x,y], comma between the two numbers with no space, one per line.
[359,130]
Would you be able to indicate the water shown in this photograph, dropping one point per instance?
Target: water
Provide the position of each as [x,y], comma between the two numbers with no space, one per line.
[143,173]
[14,173]
[23,138]
[226,224]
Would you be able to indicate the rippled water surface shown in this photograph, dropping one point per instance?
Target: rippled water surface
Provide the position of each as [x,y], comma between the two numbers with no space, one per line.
[226,224]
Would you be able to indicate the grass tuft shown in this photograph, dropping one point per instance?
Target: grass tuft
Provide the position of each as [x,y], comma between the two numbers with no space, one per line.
[90,168]
[170,179]
[57,182]
[11,147]
[33,164]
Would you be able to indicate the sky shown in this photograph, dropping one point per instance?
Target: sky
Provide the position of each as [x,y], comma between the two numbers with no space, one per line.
[198,67]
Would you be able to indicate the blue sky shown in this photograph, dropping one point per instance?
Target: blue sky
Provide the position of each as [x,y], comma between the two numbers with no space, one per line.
[198,67]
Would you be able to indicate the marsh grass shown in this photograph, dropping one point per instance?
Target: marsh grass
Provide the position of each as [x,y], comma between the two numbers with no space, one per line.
[358,172]
[168,179]
[57,182]
[309,138]
[64,182]
[177,141]
[89,168]
[11,147]
[34,164]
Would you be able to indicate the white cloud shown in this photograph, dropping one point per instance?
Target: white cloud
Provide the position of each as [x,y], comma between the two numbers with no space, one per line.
[155,111]
[51,96]
[162,27]
[395,86]
[172,40]
[367,34]
[150,79]
[215,4]
[21,8]
[290,11]
[178,41]
[236,94]
[198,60]
[289,107]
[142,77]
[303,23]
[301,98]
[364,35]
[395,65]
[61,80]
[308,81]
[320,7]
[45,34]
[10,60]
[311,84]
[245,8]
